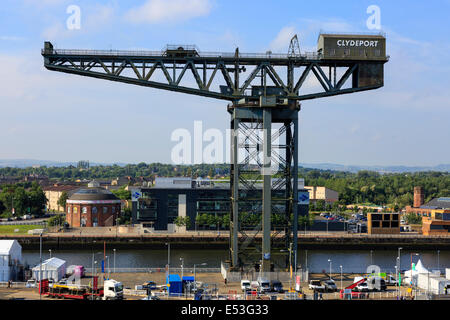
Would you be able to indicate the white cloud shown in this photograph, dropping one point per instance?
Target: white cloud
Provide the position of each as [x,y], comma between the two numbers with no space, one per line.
[11,38]
[97,18]
[283,39]
[161,11]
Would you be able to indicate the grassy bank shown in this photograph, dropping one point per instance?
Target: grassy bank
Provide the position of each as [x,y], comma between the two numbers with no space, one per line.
[17,229]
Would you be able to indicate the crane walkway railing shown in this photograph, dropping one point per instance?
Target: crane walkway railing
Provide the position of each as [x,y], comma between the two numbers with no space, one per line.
[145,53]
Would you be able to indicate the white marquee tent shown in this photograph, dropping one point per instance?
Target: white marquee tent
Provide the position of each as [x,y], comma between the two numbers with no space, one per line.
[414,273]
[53,268]
[10,259]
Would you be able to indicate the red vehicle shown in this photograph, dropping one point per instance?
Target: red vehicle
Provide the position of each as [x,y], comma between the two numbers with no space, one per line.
[114,290]
[354,295]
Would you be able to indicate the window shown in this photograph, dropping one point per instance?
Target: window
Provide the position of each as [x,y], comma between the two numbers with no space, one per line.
[394,224]
[69,209]
[332,52]
[84,210]
[346,52]
[377,52]
[376,217]
[94,210]
[386,224]
[75,209]
[375,224]
[113,209]
[105,209]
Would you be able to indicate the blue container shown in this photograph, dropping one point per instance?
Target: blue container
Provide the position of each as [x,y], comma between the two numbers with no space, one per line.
[175,285]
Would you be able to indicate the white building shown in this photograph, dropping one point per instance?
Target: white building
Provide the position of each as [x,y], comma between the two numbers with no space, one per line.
[10,259]
[52,268]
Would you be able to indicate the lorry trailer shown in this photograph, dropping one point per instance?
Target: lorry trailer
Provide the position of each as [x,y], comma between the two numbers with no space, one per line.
[111,290]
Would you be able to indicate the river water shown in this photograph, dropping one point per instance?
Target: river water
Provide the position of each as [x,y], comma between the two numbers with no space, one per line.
[352,261]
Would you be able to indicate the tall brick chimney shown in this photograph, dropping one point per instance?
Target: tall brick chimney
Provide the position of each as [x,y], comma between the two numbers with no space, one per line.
[418,197]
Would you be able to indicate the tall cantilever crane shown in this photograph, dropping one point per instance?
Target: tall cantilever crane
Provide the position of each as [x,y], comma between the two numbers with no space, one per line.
[269,92]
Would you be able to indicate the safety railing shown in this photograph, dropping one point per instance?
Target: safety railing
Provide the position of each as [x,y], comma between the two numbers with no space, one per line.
[145,53]
[154,270]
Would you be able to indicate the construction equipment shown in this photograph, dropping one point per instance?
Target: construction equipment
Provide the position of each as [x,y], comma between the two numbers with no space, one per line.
[270,93]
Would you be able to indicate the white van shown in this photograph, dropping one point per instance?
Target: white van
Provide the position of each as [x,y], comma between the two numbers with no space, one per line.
[245,285]
[264,285]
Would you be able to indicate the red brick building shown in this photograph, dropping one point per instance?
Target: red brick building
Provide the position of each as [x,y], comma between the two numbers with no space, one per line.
[92,207]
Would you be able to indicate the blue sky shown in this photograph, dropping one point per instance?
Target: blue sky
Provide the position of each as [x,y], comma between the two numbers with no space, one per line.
[55,116]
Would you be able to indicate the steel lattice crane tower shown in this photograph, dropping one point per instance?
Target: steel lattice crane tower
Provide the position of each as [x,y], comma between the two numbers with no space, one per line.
[263,182]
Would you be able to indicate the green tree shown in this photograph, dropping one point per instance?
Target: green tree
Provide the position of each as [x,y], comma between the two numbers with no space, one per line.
[63,199]
[413,218]
[57,220]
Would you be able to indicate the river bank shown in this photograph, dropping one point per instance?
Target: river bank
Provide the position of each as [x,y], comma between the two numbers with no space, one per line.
[211,240]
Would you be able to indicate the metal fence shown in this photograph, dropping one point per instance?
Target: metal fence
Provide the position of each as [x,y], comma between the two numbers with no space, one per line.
[13,284]
[154,270]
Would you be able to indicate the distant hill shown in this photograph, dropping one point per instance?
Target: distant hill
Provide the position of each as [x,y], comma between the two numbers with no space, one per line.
[24,163]
[381,169]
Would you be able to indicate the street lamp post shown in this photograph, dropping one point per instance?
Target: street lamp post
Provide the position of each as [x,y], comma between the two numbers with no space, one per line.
[411,281]
[40,266]
[306,257]
[399,268]
[438,259]
[329,260]
[50,251]
[114,250]
[195,279]
[371,257]
[168,257]
[182,266]
[396,277]
[341,278]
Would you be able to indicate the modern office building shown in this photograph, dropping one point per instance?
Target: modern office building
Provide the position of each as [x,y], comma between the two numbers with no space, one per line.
[160,205]
[437,223]
[322,193]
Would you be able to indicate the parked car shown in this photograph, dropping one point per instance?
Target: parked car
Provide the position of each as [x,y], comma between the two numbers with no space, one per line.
[330,286]
[245,285]
[316,285]
[254,285]
[276,286]
[362,287]
[31,283]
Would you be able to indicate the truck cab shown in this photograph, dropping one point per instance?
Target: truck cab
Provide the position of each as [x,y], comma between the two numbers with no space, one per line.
[263,285]
[245,285]
[112,290]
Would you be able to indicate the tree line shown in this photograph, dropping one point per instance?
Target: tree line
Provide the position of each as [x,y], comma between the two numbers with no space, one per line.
[364,187]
